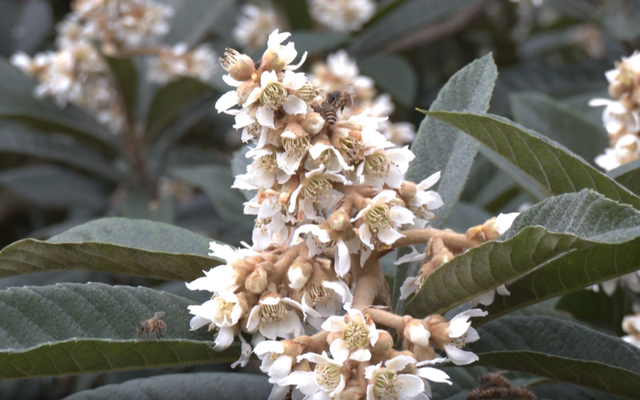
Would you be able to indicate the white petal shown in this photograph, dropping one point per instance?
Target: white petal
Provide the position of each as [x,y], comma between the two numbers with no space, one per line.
[409,386]
[342,259]
[389,236]
[408,287]
[503,291]
[429,182]
[224,339]
[294,105]
[434,375]
[401,215]
[226,101]
[340,351]
[418,334]
[265,117]
[460,357]
[415,255]
[365,235]
[360,355]
[268,346]
[198,322]
[398,363]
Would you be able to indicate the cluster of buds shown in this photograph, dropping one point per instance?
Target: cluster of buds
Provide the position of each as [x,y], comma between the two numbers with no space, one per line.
[621,116]
[77,72]
[340,72]
[330,201]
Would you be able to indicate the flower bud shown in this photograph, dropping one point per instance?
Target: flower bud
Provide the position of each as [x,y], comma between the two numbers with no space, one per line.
[408,191]
[271,61]
[244,90]
[617,89]
[257,281]
[416,333]
[239,66]
[424,353]
[384,344]
[438,326]
[339,221]
[308,92]
[312,122]
[299,273]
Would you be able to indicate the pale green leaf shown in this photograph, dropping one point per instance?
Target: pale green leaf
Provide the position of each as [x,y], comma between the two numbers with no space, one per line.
[117,245]
[78,328]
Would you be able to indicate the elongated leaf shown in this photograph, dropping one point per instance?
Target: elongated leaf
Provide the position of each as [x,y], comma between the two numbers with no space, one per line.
[402,19]
[439,147]
[78,328]
[19,139]
[52,186]
[126,76]
[119,245]
[547,162]
[394,75]
[561,350]
[315,42]
[628,175]
[581,224]
[200,386]
[216,181]
[170,101]
[17,100]
[557,122]
[193,18]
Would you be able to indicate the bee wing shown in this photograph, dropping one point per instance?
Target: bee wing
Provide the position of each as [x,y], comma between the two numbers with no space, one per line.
[158,315]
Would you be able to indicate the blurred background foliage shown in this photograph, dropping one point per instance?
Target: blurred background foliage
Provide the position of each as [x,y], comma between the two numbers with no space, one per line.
[59,168]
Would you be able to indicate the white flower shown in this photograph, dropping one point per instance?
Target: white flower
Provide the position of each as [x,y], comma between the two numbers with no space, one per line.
[245,353]
[224,277]
[316,238]
[318,241]
[315,193]
[460,332]
[488,298]
[274,362]
[343,15]
[325,382]
[418,334]
[409,286]
[272,94]
[286,54]
[357,335]
[272,318]
[381,219]
[385,167]
[425,201]
[325,300]
[254,26]
[178,61]
[432,374]
[616,117]
[387,383]
[224,311]
[627,149]
[329,157]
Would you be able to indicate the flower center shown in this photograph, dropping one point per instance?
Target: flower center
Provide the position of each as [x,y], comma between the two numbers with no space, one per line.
[327,376]
[356,336]
[351,150]
[229,58]
[262,224]
[319,294]
[297,147]
[274,95]
[272,312]
[317,187]
[422,212]
[385,385]
[459,342]
[269,163]
[377,165]
[378,218]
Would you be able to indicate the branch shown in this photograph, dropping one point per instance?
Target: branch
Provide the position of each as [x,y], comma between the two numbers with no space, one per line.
[421,236]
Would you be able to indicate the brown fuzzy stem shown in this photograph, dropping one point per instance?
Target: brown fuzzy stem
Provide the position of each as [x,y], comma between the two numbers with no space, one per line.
[386,318]
[421,236]
[369,284]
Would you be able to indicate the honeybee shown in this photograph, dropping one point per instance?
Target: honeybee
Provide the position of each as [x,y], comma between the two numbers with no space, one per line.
[333,103]
[152,325]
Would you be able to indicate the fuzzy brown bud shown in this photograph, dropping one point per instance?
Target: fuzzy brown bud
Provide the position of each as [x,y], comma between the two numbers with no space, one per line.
[617,89]
[408,191]
[240,66]
[312,122]
[299,273]
[257,281]
[339,221]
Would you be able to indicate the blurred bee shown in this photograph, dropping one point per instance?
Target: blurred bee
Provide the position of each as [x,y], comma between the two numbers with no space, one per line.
[493,380]
[333,103]
[152,325]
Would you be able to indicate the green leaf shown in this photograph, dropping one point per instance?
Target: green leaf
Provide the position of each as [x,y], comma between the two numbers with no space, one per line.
[126,77]
[559,123]
[170,101]
[598,308]
[53,186]
[17,100]
[393,74]
[78,328]
[582,237]
[216,181]
[19,138]
[628,175]
[439,147]
[403,19]
[561,350]
[554,167]
[117,245]
[194,18]
[315,42]
[199,386]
